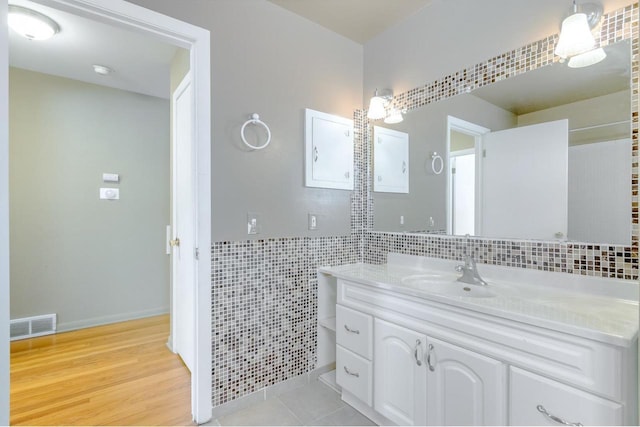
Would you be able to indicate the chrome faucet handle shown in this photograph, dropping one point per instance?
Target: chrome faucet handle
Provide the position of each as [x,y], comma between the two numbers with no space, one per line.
[459,268]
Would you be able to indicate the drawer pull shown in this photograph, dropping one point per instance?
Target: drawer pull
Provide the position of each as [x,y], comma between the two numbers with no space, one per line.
[553,418]
[415,353]
[353,374]
[353,331]
[431,367]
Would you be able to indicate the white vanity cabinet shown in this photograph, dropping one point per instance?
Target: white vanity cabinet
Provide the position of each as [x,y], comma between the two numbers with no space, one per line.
[400,374]
[464,387]
[406,360]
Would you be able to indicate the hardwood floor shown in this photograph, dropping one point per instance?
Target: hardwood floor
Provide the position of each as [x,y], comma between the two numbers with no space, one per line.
[119,374]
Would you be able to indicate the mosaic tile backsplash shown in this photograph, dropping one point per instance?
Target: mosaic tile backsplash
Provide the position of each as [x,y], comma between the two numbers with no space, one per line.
[264,292]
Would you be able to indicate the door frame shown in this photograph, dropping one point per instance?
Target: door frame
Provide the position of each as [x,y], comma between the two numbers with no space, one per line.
[170,30]
[468,128]
[4,216]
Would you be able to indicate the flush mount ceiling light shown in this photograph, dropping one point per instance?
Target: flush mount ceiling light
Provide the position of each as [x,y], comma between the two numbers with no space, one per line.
[31,24]
[576,38]
[103,70]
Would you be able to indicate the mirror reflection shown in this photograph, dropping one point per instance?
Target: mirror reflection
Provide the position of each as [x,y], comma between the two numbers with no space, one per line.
[543,155]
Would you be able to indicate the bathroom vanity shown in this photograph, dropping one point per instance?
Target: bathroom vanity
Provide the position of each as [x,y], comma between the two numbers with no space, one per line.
[412,346]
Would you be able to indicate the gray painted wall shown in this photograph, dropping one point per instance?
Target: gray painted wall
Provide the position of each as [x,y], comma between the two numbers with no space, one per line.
[267,60]
[90,261]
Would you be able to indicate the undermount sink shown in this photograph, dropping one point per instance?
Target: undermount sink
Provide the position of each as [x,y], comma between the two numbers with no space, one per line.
[446,284]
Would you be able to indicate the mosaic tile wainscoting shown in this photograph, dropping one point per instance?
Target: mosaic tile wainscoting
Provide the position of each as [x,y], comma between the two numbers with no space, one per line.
[264,309]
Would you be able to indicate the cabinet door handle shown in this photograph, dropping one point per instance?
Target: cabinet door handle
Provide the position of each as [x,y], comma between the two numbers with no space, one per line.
[431,367]
[555,419]
[353,331]
[404,167]
[353,374]
[415,353]
[315,154]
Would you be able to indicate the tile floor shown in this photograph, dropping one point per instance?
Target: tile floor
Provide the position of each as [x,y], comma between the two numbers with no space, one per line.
[314,404]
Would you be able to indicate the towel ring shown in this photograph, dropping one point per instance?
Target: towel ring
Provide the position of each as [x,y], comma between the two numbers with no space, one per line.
[437,164]
[255,120]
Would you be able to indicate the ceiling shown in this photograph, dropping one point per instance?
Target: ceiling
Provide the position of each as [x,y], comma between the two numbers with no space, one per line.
[83,42]
[358,20]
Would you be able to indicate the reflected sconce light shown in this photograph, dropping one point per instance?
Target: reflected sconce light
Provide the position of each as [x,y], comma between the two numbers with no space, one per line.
[394,116]
[576,41]
[31,24]
[380,108]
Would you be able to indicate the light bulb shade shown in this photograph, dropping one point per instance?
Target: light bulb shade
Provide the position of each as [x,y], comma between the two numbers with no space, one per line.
[588,58]
[575,36]
[31,24]
[377,108]
[395,116]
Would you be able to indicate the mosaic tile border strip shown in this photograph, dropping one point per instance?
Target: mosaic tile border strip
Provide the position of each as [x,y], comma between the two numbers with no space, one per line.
[575,258]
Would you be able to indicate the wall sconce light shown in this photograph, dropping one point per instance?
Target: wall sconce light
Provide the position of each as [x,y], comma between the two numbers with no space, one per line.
[380,108]
[576,41]
[31,24]
[394,116]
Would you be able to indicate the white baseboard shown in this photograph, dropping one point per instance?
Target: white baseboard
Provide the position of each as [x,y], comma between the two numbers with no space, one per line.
[105,320]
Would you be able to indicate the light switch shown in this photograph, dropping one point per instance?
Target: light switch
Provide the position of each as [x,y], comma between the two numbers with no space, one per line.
[110,177]
[253,223]
[401,219]
[313,221]
[110,193]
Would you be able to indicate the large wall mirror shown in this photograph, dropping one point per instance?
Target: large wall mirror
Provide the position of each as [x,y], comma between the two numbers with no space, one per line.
[542,155]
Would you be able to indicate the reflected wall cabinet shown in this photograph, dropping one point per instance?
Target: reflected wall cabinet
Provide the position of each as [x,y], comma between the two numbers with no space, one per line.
[390,160]
[328,151]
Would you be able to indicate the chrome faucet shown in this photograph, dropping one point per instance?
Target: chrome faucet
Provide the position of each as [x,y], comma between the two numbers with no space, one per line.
[470,272]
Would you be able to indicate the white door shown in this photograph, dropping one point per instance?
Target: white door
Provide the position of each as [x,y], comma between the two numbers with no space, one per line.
[524,182]
[463,187]
[400,375]
[183,221]
[464,388]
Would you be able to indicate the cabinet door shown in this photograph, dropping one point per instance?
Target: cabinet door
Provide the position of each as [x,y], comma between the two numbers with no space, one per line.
[400,375]
[531,396]
[329,151]
[390,160]
[463,387]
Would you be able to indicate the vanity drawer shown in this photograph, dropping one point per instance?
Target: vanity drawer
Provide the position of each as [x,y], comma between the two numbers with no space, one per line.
[354,331]
[528,392]
[353,374]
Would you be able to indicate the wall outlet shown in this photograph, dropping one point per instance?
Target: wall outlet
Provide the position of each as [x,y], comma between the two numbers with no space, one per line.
[254,223]
[313,221]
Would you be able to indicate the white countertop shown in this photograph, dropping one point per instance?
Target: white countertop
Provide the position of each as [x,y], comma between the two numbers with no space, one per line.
[564,306]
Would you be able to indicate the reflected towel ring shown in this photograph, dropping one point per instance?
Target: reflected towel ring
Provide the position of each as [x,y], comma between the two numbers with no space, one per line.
[437,164]
[255,120]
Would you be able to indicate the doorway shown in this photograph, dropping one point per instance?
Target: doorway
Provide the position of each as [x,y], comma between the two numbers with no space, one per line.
[464,188]
[196,40]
